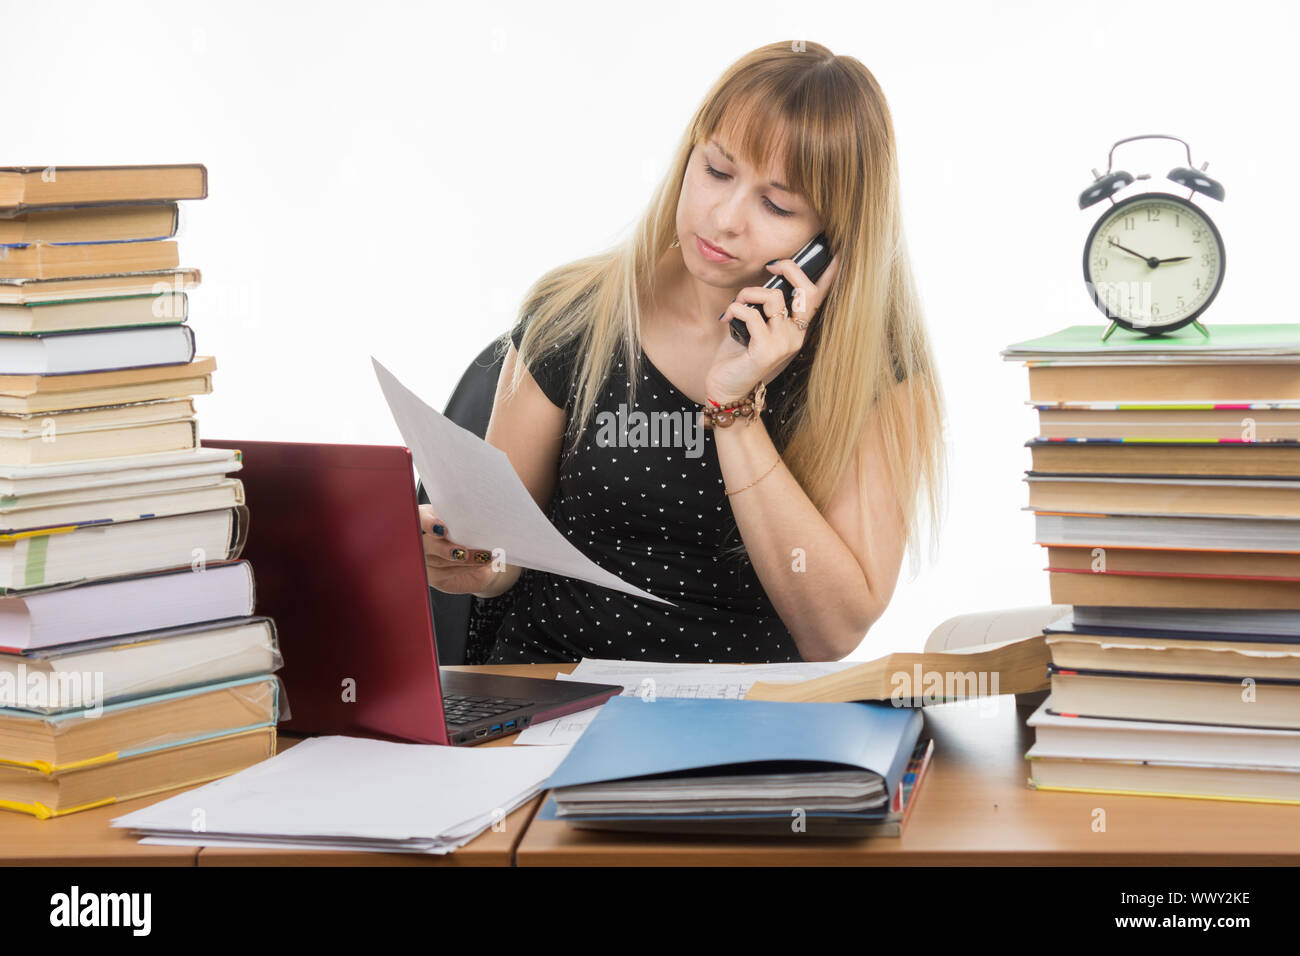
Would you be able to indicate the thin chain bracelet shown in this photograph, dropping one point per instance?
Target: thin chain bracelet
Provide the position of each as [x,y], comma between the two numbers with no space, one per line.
[756,480]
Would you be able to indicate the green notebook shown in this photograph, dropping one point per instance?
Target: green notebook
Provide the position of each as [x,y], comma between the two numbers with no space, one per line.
[1080,341]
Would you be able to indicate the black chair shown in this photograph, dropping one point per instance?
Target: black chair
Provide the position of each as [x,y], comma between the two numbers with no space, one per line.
[458,616]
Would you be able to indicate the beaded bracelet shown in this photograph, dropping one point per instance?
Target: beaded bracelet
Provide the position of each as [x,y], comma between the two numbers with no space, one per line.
[749,407]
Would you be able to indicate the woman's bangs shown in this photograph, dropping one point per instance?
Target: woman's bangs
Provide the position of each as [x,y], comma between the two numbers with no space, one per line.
[764,134]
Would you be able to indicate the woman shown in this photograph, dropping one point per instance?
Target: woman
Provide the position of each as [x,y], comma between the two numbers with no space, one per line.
[778,536]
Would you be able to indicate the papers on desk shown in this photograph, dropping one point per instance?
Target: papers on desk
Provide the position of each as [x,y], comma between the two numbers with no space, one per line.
[479,494]
[709,680]
[651,679]
[352,793]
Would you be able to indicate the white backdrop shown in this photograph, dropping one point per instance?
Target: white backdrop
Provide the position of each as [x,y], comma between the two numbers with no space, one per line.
[387,178]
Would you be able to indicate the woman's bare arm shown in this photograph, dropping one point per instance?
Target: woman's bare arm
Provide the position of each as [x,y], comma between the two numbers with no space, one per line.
[827,581]
[530,430]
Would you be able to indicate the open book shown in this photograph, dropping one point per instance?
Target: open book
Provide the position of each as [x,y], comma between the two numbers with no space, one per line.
[971,655]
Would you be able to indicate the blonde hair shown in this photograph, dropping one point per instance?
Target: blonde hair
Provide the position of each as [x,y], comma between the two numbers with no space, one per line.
[826,118]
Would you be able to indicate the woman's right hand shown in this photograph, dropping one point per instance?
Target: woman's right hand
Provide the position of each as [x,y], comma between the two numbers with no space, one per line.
[448,566]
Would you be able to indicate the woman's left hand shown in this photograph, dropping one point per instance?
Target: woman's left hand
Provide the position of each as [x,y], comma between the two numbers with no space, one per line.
[736,368]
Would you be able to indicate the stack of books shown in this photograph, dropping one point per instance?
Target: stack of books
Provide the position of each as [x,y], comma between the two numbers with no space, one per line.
[1165,484]
[130,658]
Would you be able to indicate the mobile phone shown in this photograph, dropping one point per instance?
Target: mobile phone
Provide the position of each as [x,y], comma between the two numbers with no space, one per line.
[812,259]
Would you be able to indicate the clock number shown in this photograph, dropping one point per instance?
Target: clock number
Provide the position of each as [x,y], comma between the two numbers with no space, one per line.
[1206,259]
[1196,235]
[1128,224]
[1181,304]
[1153,214]
[1102,263]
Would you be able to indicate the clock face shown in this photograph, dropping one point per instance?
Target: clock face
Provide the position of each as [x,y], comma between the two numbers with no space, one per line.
[1153,262]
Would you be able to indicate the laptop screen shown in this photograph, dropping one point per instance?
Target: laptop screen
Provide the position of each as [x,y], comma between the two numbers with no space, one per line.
[338,564]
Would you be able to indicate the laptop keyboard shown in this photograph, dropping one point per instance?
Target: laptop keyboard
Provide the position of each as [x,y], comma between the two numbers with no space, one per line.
[461,709]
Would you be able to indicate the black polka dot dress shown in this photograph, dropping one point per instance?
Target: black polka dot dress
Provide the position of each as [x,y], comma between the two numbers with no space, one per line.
[657,517]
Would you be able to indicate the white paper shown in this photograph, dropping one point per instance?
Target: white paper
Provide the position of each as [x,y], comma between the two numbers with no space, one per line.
[645,678]
[597,670]
[356,793]
[560,732]
[480,497]
[209,844]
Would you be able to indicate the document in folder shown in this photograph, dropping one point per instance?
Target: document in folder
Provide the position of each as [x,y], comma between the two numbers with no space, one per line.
[479,494]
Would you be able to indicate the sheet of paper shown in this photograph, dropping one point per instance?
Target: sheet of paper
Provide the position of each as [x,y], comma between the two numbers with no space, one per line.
[590,668]
[560,732]
[647,678]
[295,844]
[352,790]
[985,630]
[479,494]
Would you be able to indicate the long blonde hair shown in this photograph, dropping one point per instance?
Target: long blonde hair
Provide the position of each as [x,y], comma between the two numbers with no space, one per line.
[826,116]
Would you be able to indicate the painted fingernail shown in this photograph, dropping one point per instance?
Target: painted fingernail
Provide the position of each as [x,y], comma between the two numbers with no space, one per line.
[483,557]
[439,529]
[458,554]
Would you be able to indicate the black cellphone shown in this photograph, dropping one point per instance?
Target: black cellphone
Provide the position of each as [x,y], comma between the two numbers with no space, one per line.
[812,259]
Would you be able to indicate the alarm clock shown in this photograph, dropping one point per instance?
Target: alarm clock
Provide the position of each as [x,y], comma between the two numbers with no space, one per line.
[1152,262]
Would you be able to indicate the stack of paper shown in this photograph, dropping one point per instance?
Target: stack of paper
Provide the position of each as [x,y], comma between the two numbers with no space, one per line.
[352,793]
[651,680]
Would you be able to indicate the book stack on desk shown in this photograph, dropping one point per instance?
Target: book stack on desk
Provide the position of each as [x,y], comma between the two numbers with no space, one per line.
[130,659]
[1165,484]
[732,767]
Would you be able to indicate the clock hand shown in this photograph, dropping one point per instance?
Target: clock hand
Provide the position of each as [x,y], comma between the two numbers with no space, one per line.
[1146,259]
[1152,261]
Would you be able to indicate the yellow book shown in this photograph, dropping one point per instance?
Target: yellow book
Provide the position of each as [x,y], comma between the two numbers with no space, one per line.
[46,796]
[65,761]
[1147,778]
[51,187]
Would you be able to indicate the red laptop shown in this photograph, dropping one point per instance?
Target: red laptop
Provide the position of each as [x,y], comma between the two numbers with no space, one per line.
[338,564]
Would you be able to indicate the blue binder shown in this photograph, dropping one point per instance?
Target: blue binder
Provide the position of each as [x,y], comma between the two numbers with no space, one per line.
[631,737]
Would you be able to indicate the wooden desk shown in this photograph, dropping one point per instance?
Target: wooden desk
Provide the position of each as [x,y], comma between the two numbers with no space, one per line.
[85,839]
[975,808]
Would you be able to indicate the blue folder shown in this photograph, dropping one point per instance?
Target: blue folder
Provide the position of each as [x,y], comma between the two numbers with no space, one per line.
[631,737]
